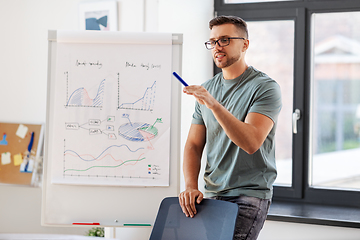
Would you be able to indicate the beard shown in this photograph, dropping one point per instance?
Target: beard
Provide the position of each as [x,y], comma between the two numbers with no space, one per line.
[227,63]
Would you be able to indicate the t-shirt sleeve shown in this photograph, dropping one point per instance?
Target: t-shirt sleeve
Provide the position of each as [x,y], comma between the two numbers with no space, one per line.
[197,116]
[268,100]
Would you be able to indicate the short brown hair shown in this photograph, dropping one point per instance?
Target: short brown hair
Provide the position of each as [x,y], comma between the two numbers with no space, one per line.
[237,21]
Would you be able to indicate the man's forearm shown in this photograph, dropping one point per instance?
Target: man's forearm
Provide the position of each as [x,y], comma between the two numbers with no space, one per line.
[191,168]
[248,135]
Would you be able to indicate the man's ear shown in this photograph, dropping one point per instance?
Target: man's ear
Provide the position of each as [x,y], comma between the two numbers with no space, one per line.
[246,45]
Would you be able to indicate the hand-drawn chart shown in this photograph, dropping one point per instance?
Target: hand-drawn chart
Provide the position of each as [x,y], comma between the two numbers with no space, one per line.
[109,163]
[123,162]
[144,103]
[138,132]
[107,153]
[80,97]
[114,124]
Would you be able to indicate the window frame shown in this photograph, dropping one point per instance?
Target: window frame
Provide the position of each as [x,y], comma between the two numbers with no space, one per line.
[301,12]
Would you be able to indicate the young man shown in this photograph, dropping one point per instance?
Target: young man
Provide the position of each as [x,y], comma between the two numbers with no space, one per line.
[235,116]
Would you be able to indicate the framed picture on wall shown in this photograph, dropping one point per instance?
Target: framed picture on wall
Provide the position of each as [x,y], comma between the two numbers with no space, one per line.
[100,15]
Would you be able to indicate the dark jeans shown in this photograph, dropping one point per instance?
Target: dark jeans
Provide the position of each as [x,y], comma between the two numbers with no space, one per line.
[252,215]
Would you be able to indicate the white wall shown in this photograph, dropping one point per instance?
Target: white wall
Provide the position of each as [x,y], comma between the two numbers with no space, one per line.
[293,231]
[23,64]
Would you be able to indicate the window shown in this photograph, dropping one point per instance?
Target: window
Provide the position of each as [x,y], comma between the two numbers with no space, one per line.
[335,104]
[275,57]
[312,49]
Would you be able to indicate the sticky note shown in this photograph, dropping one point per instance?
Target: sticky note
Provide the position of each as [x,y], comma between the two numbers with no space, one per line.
[21,131]
[5,158]
[18,159]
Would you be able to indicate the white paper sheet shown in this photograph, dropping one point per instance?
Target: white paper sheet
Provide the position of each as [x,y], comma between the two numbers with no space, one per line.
[111,114]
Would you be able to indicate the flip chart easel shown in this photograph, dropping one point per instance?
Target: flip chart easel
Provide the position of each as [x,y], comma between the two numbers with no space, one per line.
[115,206]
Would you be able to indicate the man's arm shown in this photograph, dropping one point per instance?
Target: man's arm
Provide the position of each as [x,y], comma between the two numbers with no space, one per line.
[191,166]
[248,135]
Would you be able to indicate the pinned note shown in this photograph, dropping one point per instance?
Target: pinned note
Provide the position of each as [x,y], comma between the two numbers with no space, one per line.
[18,159]
[21,131]
[5,158]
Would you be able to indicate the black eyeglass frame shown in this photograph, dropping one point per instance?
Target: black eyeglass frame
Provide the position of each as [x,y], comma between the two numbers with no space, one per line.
[208,43]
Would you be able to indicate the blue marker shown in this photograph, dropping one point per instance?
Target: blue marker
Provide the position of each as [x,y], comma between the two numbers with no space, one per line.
[29,151]
[180,79]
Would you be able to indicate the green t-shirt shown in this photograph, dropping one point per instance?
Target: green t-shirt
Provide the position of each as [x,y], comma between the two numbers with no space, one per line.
[230,171]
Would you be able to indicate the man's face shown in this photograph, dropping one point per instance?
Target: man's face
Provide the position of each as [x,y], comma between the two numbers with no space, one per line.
[228,55]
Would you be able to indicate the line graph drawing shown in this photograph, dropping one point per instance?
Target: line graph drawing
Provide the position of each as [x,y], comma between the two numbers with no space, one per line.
[137,131]
[87,169]
[101,155]
[80,97]
[145,103]
[112,157]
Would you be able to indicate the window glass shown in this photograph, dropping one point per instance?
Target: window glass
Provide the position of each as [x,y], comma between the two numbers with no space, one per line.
[271,50]
[255,1]
[335,120]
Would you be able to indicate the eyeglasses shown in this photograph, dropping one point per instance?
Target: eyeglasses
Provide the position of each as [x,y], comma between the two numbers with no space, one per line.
[222,42]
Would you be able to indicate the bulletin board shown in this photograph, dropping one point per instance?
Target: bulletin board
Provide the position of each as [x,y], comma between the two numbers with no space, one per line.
[14,142]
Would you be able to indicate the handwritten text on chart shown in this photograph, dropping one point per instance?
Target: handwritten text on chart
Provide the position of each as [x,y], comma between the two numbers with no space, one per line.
[91,64]
[146,66]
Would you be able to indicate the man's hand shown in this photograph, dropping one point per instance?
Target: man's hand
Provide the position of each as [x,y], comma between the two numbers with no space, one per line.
[187,201]
[201,95]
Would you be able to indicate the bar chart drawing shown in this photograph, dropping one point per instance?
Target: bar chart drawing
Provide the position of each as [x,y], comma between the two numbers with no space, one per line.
[145,103]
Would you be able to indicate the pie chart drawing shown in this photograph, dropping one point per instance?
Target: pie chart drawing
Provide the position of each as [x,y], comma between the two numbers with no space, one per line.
[138,132]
